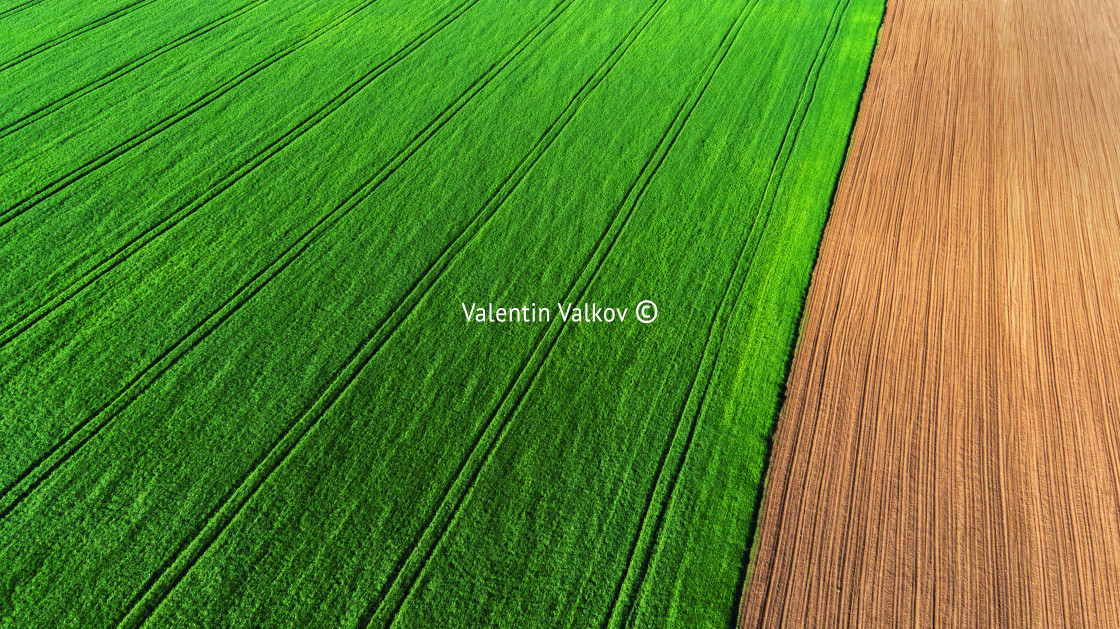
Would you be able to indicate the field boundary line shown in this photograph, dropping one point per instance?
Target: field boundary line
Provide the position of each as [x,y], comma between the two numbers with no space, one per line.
[753,540]
[782,166]
[224,513]
[81,30]
[170,120]
[812,76]
[122,70]
[633,593]
[251,288]
[768,596]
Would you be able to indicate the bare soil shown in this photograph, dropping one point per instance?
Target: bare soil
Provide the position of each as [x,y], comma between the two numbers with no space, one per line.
[949,451]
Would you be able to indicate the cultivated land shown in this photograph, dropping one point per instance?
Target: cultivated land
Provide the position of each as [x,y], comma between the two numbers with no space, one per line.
[236,384]
[949,453]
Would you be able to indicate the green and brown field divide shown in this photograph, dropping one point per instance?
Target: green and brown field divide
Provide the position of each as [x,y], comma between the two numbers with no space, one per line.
[471,313]
[949,451]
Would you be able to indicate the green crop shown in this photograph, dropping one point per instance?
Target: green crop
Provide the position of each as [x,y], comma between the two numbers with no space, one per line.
[238,385]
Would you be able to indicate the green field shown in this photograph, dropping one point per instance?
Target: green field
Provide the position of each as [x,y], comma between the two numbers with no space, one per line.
[237,384]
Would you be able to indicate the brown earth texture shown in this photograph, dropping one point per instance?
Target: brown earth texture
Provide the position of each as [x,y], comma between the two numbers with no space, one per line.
[949,450]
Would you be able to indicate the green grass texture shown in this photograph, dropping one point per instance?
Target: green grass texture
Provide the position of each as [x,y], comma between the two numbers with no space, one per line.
[237,387]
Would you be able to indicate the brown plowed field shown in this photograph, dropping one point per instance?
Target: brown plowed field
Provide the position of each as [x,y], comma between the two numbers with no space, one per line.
[949,451]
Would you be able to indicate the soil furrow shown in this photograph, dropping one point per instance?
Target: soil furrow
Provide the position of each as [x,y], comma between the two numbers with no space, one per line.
[947,453]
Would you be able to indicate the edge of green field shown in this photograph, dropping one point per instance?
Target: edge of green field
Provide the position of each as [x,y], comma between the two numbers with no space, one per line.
[236,384]
[760,492]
